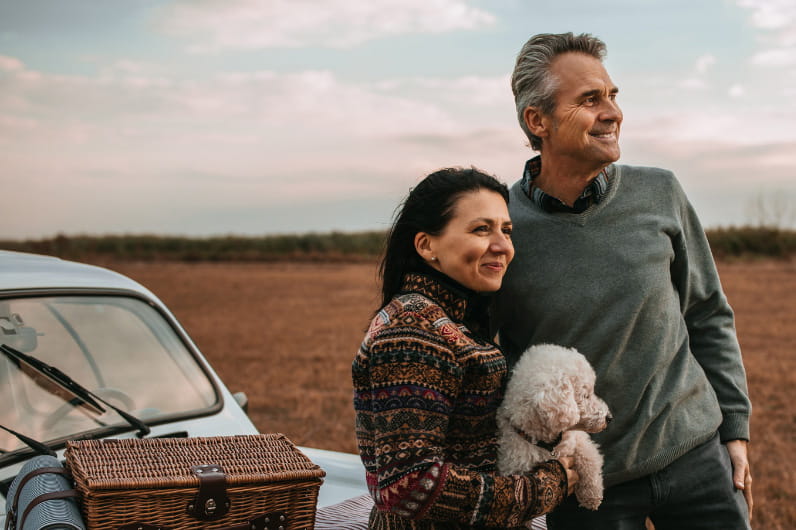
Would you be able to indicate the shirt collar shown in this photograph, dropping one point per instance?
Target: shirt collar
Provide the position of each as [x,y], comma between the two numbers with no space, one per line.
[592,194]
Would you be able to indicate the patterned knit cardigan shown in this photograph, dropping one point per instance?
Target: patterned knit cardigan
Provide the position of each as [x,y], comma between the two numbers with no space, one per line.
[426,393]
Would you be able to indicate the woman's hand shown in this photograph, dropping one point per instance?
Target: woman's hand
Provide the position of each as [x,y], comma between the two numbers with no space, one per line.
[572,476]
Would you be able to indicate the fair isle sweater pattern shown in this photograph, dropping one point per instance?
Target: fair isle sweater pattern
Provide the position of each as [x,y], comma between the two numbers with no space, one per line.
[426,394]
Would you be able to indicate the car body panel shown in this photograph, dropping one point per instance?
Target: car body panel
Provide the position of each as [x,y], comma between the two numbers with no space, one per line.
[28,275]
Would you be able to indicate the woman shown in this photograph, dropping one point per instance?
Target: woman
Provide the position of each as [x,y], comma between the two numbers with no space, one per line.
[427,379]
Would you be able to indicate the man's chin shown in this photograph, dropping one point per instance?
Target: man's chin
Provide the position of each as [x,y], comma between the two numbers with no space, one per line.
[612,156]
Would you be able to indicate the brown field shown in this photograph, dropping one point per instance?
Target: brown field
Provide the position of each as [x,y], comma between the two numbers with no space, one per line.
[285,334]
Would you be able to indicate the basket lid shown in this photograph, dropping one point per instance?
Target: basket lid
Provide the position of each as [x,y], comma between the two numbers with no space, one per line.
[166,462]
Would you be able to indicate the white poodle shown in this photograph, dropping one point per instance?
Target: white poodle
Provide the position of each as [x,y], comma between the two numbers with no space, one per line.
[548,408]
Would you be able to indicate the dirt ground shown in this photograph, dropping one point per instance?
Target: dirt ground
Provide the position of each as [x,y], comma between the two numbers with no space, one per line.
[285,334]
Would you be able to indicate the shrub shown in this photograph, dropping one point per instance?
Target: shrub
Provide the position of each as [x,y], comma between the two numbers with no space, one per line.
[730,242]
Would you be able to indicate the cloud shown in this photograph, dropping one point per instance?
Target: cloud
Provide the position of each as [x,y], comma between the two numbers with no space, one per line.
[771,14]
[259,24]
[470,90]
[736,91]
[135,145]
[264,135]
[704,62]
[775,57]
[777,20]
[10,64]
[313,102]
[698,81]
[693,83]
[739,126]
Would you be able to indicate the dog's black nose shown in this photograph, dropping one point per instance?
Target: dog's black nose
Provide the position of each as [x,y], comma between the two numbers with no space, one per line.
[609,418]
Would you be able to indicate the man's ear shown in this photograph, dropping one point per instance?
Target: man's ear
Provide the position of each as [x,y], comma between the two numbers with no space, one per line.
[535,121]
[424,246]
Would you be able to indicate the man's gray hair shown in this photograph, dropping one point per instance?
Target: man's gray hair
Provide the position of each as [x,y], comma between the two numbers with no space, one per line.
[533,84]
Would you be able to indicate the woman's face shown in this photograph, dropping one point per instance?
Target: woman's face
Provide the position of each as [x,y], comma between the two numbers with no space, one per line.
[475,247]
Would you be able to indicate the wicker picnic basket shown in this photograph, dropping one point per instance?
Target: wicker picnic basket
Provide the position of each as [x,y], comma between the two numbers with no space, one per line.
[254,482]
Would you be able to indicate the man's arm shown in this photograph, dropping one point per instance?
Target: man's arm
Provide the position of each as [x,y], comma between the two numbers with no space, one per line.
[711,323]
[713,341]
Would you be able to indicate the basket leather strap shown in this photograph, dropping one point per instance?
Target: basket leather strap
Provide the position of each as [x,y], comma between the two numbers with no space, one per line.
[212,501]
[64,494]
[24,480]
[267,521]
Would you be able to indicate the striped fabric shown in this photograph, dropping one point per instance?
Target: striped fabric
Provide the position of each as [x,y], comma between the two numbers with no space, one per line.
[352,514]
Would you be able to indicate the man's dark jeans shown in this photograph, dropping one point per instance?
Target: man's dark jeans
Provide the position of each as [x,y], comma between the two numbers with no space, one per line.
[694,492]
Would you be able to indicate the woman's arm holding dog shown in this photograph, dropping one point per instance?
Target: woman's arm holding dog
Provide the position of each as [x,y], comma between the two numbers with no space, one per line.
[568,463]
[412,393]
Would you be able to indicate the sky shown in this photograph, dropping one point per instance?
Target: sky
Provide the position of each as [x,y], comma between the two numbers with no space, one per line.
[252,117]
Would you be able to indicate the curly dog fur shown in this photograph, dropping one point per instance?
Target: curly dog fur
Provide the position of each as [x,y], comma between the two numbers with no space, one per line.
[548,409]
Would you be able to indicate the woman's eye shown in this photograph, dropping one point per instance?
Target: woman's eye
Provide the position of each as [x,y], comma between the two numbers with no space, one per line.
[507,231]
[482,228]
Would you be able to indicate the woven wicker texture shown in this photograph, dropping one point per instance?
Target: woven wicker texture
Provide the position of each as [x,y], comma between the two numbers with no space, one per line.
[150,480]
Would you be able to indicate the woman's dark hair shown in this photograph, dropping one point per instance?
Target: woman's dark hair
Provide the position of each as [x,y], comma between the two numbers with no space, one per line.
[428,208]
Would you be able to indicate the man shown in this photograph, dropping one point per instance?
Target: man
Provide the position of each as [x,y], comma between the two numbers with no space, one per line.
[613,261]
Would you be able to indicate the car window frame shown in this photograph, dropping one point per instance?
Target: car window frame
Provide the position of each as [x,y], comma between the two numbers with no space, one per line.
[59,443]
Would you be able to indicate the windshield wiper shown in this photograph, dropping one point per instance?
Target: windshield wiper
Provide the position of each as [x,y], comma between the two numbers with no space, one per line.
[30,442]
[58,383]
[52,379]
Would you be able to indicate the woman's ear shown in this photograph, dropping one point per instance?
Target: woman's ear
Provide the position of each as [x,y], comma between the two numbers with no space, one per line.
[536,122]
[424,246]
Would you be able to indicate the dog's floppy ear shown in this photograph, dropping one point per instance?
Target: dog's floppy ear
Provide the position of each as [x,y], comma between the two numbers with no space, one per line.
[562,411]
[544,408]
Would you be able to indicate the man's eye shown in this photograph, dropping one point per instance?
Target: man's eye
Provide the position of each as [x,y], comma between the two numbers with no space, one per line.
[508,230]
[482,228]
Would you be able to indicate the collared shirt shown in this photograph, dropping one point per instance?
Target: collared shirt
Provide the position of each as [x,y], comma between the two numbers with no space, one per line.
[593,193]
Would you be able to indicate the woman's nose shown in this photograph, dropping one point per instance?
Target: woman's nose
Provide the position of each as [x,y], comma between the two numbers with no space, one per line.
[501,244]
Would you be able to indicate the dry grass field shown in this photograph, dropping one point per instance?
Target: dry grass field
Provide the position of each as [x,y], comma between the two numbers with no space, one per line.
[286,334]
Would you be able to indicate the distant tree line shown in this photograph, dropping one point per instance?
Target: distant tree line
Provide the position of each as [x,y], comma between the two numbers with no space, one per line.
[329,247]
[334,246]
[748,241]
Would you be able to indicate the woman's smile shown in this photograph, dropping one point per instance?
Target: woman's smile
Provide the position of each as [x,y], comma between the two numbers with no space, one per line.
[475,247]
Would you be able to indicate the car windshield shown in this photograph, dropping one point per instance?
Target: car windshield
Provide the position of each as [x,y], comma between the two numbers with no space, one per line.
[120,348]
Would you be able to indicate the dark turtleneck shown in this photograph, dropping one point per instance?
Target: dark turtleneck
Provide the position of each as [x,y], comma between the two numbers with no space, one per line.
[466,306]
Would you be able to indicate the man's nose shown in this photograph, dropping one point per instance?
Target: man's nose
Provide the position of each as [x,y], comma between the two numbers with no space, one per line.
[611,111]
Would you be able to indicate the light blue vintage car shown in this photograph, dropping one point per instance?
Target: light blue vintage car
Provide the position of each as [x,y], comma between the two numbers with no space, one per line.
[67,327]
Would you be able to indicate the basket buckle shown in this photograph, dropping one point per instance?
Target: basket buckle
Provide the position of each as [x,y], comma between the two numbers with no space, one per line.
[211,502]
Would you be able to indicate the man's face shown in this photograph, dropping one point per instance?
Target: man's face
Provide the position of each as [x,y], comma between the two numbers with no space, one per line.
[583,130]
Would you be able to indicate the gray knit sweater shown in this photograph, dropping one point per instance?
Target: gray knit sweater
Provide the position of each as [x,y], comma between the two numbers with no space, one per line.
[631,284]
